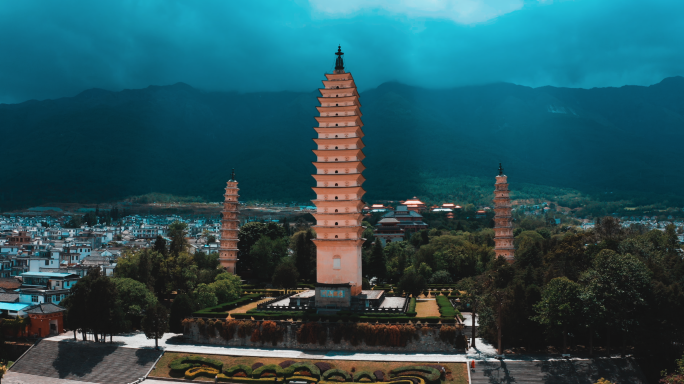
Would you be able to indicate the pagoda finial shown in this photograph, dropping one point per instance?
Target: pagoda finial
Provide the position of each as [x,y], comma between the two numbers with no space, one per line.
[339,63]
[232,175]
[500,170]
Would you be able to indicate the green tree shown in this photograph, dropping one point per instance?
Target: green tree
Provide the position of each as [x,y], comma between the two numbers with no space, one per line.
[160,246]
[155,323]
[248,236]
[676,377]
[181,308]
[285,275]
[177,233]
[204,296]
[304,251]
[267,253]
[620,284]
[227,287]
[441,277]
[560,306]
[132,298]
[425,271]
[377,263]
[412,282]
[104,316]
[399,256]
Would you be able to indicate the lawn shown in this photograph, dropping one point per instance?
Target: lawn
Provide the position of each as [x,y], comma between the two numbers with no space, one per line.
[457,373]
[427,307]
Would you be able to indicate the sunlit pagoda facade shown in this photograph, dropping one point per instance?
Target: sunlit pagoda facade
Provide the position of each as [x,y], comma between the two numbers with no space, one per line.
[338,188]
[503,222]
[230,226]
[339,208]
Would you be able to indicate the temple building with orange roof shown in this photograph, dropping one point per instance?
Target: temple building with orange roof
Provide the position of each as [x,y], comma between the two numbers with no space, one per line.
[230,226]
[414,205]
[503,221]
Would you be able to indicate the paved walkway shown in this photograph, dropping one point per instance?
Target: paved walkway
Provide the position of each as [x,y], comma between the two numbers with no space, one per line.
[84,362]
[621,371]
[22,378]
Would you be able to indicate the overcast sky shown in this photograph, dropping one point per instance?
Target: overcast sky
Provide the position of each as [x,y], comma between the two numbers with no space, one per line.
[51,49]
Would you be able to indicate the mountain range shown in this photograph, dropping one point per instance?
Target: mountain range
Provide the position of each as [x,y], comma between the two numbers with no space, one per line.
[102,146]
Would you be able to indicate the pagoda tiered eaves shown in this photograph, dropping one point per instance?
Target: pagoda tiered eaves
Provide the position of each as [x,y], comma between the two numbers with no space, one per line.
[503,221]
[230,227]
[338,182]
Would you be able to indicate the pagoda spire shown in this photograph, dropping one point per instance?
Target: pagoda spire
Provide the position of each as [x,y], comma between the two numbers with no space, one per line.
[232,175]
[503,223]
[339,62]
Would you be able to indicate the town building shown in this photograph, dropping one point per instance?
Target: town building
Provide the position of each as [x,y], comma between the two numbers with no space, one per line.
[46,320]
[45,287]
[230,226]
[503,221]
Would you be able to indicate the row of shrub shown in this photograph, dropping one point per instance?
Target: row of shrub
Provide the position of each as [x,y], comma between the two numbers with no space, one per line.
[445,307]
[381,334]
[257,315]
[398,335]
[408,317]
[221,309]
[299,286]
[411,306]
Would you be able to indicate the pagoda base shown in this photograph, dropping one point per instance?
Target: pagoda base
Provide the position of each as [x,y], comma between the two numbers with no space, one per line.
[328,299]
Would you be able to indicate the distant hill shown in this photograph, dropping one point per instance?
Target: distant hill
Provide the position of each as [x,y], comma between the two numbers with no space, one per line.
[101,146]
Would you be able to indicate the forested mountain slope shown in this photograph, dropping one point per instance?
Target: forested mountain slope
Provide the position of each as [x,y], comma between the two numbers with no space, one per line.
[101,145]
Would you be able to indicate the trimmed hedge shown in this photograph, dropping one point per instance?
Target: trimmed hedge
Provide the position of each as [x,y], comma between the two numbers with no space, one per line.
[221,309]
[404,380]
[432,375]
[364,374]
[201,371]
[303,378]
[267,368]
[336,372]
[184,363]
[313,370]
[245,380]
[238,368]
[445,307]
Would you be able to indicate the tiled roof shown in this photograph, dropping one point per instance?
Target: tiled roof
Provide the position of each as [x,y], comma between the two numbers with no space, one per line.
[8,297]
[45,308]
[9,283]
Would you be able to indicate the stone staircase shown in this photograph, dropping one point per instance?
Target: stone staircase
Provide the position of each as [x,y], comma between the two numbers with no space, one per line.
[623,371]
[86,362]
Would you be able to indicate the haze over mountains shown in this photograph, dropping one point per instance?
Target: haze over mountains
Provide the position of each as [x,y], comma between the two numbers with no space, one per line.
[100,146]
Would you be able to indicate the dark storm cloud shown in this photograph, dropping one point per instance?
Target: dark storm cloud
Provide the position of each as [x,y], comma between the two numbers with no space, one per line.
[51,49]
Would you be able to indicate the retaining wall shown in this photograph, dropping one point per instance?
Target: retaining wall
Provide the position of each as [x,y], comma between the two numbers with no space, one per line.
[426,339]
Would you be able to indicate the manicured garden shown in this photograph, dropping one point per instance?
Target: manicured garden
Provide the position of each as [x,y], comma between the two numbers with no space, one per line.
[244,308]
[240,369]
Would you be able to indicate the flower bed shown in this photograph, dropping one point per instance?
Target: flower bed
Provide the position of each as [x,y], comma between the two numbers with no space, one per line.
[237,369]
[201,372]
[430,374]
[182,364]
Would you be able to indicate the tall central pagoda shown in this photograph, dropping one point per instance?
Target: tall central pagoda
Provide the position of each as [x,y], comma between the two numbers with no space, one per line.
[338,189]
[503,224]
